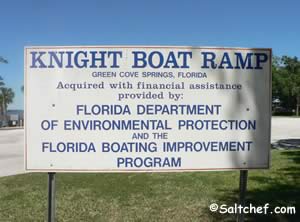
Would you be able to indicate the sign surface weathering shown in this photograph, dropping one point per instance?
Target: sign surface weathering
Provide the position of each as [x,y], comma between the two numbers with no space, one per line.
[152,108]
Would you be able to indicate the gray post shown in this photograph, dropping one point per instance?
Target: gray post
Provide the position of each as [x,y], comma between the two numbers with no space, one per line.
[51,197]
[243,189]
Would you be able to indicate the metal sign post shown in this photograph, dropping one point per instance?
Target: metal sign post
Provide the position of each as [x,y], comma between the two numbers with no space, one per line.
[51,197]
[117,93]
[243,189]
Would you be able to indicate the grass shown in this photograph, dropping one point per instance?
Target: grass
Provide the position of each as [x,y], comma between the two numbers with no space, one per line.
[152,197]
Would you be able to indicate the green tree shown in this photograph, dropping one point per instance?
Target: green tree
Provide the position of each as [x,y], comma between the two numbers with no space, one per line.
[6,97]
[276,78]
[6,94]
[286,81]
[2,60]
[292,67]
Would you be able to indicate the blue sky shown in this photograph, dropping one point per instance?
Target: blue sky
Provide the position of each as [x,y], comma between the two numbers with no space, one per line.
[256,23]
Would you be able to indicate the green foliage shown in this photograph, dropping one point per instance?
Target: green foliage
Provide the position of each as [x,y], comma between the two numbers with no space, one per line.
[6,94]
[286,81]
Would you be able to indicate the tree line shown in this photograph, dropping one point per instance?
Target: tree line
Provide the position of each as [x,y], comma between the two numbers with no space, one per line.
[6,94]
[286,85]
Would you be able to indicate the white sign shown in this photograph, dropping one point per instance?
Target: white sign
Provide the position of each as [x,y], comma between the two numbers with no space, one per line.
[125,109]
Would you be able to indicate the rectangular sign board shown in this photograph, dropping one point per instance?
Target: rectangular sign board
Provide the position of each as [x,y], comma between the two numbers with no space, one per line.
[146,108]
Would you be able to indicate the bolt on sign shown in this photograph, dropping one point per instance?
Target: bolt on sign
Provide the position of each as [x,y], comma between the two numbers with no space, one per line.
[147,108]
